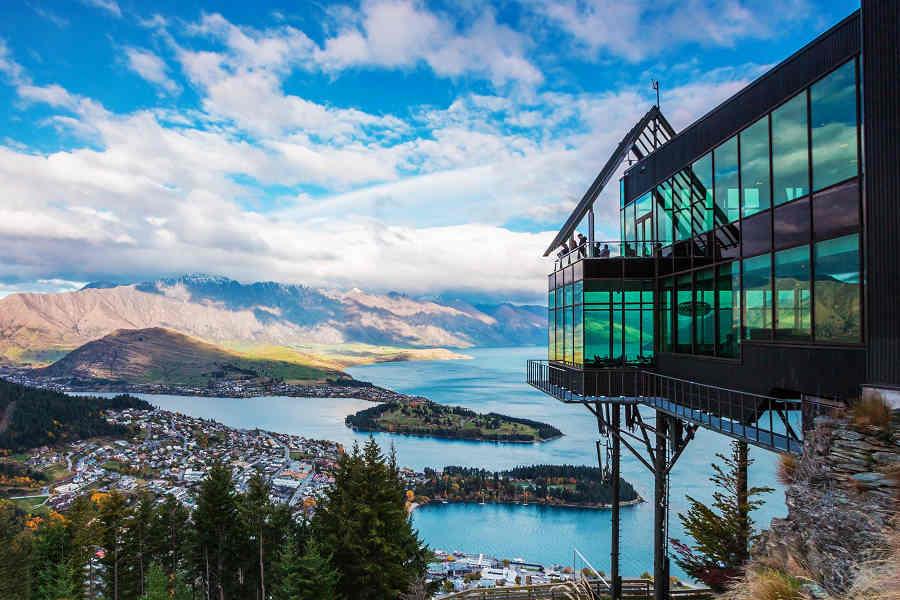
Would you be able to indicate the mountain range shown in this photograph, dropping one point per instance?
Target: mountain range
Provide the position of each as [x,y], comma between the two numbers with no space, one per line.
[41,328]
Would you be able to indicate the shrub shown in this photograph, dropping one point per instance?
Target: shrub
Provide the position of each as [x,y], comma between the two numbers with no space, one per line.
[787,468]
[766,584]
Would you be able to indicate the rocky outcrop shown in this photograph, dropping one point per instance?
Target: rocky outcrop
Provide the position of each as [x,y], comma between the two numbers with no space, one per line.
[841,505]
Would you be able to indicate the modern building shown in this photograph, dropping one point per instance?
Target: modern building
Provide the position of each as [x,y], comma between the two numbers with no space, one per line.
[755,279]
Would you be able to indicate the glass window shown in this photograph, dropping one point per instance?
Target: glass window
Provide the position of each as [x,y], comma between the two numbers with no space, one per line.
[837,290]
[578,335]
[757,297]
[684,310]
[560,326]
[704,312]
[728,287]
[681,199]
[757,234]
[728,241]
[663,202]
[727,194]
[792,293]
[836,210]
[790,150]
[792,224]
[597,334]
[703,192]
[568,340]
[755,167]
[833,118]
[568,295]
[551,329]
[666,341]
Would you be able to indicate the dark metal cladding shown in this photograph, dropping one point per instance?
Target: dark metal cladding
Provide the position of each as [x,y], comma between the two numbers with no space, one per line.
[881,124]
[810,63]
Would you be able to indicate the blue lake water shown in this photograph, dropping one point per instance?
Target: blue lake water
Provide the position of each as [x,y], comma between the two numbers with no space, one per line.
[494,381]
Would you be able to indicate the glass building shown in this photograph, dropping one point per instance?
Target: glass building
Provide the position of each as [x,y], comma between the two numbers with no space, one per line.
[748,255]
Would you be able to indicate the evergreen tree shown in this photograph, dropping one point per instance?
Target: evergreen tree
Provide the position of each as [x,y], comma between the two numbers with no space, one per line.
[169,538]
[113,518]
[15,553]
[157,585]
[364,526]
[51,548]
[257,511]
[137,546]
[286,575]
[84,530]
[316,576]
[722,531]
[58,584]
[216,560]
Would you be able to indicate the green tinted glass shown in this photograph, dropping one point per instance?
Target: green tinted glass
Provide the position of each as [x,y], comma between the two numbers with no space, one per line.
[757,297]
[792,293]
[727,193]
[755,167]
[837,290]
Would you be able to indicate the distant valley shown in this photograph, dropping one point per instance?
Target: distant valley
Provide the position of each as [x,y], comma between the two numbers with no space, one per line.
[291,323]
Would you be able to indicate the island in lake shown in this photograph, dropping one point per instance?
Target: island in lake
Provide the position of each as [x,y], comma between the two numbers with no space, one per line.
[554,485]
[420,416]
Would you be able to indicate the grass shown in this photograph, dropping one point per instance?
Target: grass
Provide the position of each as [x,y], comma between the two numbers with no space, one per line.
[786,471]
[29,504]
[872,410]
[767,584]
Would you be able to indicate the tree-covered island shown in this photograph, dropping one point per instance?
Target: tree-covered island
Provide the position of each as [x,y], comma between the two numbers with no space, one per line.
[420,416]
[555,485]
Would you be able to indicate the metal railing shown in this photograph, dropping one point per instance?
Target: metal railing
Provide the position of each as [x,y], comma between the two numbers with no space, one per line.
[775,424]
[609,249]
[636,589]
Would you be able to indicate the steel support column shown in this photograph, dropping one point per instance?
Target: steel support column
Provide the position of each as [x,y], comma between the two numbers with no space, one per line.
[660,510]
[615,516]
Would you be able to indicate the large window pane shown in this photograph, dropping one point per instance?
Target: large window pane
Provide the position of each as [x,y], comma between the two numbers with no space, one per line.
[663,201]
[727,193]
[569,351]
[836,210]
[792,224]
[597,336]
[755,167]
[560,327]
[684,311]
[681,199]
[728,287]
[790,150]
[837,290]
[833,118]
[792,294]
[703,193]
[704,312]
[578,335]
[757,234]
[757,298]
[666,341]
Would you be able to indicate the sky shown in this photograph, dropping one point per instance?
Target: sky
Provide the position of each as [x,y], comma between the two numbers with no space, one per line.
[422,147]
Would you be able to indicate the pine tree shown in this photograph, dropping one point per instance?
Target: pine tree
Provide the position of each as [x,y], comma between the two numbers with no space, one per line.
[285,571]
[15,553]
[137,546]
[316,576]
[169,537]
[256,511]
[157,586]
[217,546]
[364,526]
[58,584]
[113,517]
[722,531]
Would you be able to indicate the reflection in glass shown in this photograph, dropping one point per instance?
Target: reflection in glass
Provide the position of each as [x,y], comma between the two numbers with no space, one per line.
[792,224]
[792,293]
[757,234]
[837,290]
[757,297]
[836,210]
[790,150]
[704,312]
[666,343]
[727,195]
[833,118]
[755,167]
[684,314]
[728,286]
[703,193]
[681,199]
[663,202]
[578,335]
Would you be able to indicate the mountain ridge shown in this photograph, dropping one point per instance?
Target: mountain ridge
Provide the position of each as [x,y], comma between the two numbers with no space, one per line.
[41,328]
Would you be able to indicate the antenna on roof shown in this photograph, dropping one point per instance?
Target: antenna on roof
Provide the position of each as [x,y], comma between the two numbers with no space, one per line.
[655,85]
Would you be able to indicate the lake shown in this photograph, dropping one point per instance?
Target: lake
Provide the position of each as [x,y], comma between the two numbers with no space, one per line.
[494,381]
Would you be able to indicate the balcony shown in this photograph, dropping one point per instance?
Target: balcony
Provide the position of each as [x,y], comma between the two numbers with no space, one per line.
[608,250]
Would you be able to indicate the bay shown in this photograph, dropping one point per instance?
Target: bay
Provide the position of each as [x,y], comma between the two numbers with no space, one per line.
[493,381]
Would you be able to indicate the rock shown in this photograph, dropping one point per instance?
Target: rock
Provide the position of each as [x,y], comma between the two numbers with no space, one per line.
[873,479]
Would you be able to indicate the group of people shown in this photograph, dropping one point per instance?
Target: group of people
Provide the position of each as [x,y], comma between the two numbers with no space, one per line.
[580,244]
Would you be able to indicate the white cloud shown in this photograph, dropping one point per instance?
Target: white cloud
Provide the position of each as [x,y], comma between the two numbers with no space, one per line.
[403,33]
[110,6]
[150,67]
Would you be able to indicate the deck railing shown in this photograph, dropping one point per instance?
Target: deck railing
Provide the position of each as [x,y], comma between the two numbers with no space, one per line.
[609,249]
[772,423]
[636,589]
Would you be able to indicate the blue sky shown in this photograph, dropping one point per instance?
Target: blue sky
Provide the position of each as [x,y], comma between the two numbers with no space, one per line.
[388,144]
